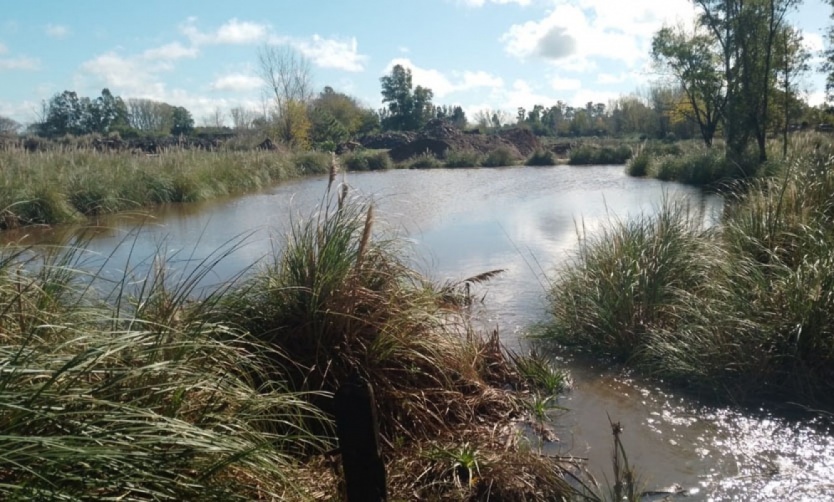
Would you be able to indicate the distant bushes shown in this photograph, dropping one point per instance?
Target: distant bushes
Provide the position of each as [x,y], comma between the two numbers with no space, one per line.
[364,160]
[462,158]
[424,161]
[594,155]
[542,158]
[500,157]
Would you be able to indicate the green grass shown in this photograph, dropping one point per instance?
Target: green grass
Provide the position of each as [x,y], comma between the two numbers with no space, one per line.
[364,160]
[743,312]
[63,186]
[500,157]
[542,158]
[462,158]
[589,154]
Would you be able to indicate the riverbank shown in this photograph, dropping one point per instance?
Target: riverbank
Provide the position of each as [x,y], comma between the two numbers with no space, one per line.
[145,389]
[742,311]
[66,186]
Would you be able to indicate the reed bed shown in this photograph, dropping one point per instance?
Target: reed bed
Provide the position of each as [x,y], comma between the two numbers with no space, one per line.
[63,186]
[744,311]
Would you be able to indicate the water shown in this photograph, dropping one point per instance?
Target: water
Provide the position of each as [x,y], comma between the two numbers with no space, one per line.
[525,221]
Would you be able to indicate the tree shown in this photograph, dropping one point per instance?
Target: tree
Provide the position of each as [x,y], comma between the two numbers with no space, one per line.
[286,75]
[828,58]
[692,61]
[181,121]
[409,108]
[8,126]
[791,63]
[63,115]
[746,31]
[106,113]
[150,116]
[243,119]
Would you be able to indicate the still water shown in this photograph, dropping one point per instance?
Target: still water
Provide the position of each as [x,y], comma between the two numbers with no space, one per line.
[525,221]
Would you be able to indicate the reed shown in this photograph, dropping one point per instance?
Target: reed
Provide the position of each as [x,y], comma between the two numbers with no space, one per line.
[62,186]
[741,312]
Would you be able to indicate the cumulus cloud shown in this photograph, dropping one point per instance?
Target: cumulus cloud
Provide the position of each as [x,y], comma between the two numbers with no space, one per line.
[56,31]
[331,52]
[441,85]
[565,84]
[232,32]
[481,3]
[236,82]
[576,33]
[20,63]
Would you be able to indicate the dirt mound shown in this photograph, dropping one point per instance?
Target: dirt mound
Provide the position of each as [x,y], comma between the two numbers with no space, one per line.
[439,136]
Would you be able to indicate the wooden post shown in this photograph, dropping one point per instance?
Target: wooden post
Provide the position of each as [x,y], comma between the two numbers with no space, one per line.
[358,433]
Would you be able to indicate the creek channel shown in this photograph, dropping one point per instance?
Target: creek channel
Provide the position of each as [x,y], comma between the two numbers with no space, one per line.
[526,221]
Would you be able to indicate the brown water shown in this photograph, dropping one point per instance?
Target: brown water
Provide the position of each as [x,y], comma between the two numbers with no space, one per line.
[523,220]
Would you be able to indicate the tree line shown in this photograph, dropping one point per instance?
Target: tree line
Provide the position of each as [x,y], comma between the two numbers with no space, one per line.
[734,74]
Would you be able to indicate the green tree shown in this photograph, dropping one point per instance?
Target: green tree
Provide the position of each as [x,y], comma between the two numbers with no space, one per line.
[691,60]
[408,108]
[791,62]
[828,58]
[182,123]
[746,32]
[64,114]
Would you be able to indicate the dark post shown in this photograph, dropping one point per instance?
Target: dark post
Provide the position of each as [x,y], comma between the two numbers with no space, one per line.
[358,433]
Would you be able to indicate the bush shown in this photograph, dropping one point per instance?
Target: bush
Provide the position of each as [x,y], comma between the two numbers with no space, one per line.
[462,158]
[593,155]
[500,157]
[638,165]
[312,162]
[424,161]
[363,160]
[542,158]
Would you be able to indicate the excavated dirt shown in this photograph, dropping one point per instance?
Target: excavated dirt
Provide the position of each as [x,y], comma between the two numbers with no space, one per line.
[438,137]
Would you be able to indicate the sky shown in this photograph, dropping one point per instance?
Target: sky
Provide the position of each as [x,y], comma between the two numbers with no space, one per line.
[479,54]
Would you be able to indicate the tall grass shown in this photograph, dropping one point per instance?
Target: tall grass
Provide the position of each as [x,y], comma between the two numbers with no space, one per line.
[61,186]
[98,401]
[588,154]
[745,311]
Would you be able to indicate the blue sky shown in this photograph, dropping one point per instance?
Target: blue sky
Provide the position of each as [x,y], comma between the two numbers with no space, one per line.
[480,54]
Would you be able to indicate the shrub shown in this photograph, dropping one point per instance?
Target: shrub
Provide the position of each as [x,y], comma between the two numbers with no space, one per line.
[462,158]
[312,162]
[363,160]
[500,157]
[593,155]
[542,158]
[424,161]
[638,165]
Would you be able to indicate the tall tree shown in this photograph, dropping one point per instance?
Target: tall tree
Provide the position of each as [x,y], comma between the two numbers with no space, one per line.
[791,63]
[828,57]
[746,32]
[182,123]
[8,126]
[691,60]
[287,77]
[409,107]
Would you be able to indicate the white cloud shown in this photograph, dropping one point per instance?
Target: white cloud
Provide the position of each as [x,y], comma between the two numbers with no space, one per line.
[236,82]
[577,33]
[20,63]
[565,84]
[583,96]
[56,31]
[332,53]
[441,85]
[170,52]
[232,32]
[610,78]
[481,3]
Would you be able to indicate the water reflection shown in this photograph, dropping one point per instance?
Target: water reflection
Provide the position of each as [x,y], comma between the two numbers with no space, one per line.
[525,221]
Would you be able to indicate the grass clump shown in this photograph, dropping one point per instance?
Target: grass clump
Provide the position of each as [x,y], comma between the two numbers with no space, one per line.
[114,399]
[500,157]
[595,155]
[363,160]
[424,161]
[542,158]
[639,165]
[745,311]
[462,158]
